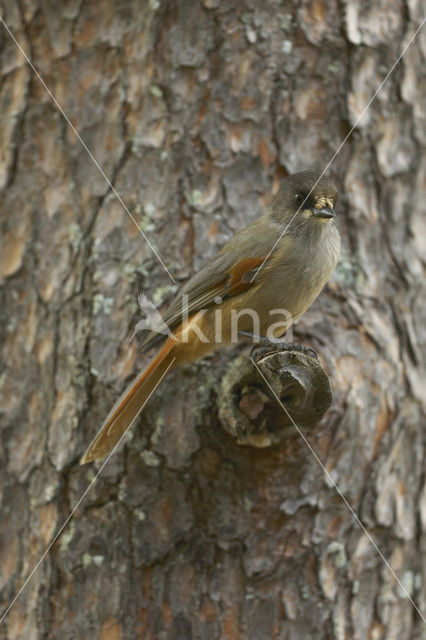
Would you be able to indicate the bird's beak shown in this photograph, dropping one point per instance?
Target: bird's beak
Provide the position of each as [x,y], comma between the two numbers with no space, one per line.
[325,212]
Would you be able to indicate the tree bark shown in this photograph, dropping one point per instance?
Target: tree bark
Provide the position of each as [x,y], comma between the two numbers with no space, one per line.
[195,110]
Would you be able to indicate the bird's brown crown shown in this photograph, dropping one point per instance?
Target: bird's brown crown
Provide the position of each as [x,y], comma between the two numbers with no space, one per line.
[307,193]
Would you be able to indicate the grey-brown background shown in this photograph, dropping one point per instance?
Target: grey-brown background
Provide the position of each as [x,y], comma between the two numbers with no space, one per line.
[196,110]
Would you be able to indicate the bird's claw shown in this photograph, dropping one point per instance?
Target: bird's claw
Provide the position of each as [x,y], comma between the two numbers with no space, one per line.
[268,345]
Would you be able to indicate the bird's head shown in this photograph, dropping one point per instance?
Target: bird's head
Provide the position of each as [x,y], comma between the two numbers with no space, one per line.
[306,197]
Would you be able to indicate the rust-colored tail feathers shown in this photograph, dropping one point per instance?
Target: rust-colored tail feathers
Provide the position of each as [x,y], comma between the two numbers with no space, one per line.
[130,403]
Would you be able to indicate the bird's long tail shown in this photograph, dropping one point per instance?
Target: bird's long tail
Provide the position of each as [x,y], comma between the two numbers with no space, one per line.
[130,403]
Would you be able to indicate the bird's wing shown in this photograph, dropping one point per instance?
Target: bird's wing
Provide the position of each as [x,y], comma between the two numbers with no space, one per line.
[223,276]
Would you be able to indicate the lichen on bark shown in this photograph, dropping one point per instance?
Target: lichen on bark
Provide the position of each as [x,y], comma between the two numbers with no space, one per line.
[196,109]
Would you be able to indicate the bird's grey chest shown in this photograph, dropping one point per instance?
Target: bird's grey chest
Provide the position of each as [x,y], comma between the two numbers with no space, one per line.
[319,260]
[301,273]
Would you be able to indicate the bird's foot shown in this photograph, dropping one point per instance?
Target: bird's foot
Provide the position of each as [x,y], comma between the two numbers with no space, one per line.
[267,345]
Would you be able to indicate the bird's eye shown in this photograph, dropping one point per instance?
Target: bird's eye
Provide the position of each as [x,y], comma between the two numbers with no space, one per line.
[299,198]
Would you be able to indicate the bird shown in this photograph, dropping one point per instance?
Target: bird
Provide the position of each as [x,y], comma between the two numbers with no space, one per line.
[282,259]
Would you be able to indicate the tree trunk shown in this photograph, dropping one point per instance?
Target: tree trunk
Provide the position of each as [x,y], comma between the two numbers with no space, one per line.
[195,110]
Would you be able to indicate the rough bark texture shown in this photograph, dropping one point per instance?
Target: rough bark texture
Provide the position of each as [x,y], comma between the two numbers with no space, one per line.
[195,110]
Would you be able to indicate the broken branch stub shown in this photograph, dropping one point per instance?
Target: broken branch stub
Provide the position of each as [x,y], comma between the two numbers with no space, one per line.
[250,412]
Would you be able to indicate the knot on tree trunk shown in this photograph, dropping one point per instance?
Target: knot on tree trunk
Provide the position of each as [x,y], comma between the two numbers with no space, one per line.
[248,404]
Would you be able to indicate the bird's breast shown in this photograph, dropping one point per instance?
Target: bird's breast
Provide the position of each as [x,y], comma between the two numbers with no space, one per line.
[298,273]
